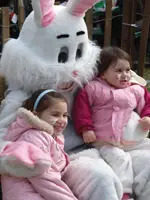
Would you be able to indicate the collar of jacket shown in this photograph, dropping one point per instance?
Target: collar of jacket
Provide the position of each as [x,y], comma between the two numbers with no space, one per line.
[35,121]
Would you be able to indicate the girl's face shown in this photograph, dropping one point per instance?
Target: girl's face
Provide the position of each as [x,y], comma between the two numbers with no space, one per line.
[118,75]
[57,116]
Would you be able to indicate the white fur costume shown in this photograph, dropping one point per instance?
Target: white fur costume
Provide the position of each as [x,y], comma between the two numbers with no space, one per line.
[53,51]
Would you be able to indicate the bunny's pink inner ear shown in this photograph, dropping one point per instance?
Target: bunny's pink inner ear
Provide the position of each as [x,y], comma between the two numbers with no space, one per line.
[79,7]
[47,10]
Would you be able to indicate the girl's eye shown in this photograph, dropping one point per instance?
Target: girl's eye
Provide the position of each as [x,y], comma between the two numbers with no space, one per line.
[66,115]
[119,70]
[55,115]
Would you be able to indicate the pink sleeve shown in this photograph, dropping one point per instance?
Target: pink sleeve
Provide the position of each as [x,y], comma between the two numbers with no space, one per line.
[29,154]
[146,109]
[50,186]
[81,112]
[38,138]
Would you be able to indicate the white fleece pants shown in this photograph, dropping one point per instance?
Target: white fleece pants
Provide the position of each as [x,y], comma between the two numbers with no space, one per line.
[91,178]
[121,163]
[140,154]
[132,166]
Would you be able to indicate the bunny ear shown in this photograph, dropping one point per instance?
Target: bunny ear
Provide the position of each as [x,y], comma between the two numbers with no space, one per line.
[43,11]
[79,7]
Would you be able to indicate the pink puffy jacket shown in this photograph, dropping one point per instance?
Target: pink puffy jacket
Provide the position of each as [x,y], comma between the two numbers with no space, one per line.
[33,147]
[106,110]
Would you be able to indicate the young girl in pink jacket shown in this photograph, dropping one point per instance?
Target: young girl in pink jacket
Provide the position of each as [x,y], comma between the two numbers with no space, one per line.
[102,110]
[37,143]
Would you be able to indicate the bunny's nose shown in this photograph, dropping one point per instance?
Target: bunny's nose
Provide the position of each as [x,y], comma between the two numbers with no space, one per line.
[75,73]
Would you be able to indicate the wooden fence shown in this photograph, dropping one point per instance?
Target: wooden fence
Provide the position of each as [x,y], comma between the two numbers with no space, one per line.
[128,27]
[5,21]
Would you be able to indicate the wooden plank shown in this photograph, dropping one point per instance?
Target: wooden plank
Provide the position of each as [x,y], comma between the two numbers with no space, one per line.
[144,37]
[20,3]
[21,14]
[126,28]
[5,25]
[57,2]
[132,50]
[108,23]
[89,22]
[4,3]
[3,87]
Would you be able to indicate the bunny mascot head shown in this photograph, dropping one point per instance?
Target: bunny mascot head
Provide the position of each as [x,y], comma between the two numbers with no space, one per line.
[52,51]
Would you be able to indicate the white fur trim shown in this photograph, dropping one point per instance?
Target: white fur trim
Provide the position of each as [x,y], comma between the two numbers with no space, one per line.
[18,169]
[35,121]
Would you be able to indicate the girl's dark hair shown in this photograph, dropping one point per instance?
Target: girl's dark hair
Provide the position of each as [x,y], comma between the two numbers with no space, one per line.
[110,55]
[47,100]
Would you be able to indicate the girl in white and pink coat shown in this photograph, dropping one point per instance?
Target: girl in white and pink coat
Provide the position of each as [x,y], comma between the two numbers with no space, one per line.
[37,146]
[101,113]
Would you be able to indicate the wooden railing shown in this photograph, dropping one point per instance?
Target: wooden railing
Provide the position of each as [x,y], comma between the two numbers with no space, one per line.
[5,22]
[128,29]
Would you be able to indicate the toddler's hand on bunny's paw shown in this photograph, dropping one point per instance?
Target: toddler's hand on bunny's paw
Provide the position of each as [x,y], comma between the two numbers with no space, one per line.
[89,136]
[145,123]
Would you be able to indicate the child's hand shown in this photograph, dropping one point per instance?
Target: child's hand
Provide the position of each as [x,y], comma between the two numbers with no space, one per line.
[145,123]
[89,136]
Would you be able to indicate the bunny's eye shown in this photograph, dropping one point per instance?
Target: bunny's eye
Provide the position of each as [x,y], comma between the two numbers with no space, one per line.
[63,55]
[79,51]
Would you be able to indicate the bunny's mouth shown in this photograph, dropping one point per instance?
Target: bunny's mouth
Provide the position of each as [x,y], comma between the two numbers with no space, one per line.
[66,86]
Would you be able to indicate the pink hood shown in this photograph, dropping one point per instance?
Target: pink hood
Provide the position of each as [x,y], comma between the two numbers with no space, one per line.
[26,120]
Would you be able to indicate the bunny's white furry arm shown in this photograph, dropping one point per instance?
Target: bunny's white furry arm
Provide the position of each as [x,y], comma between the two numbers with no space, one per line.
[8,110]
